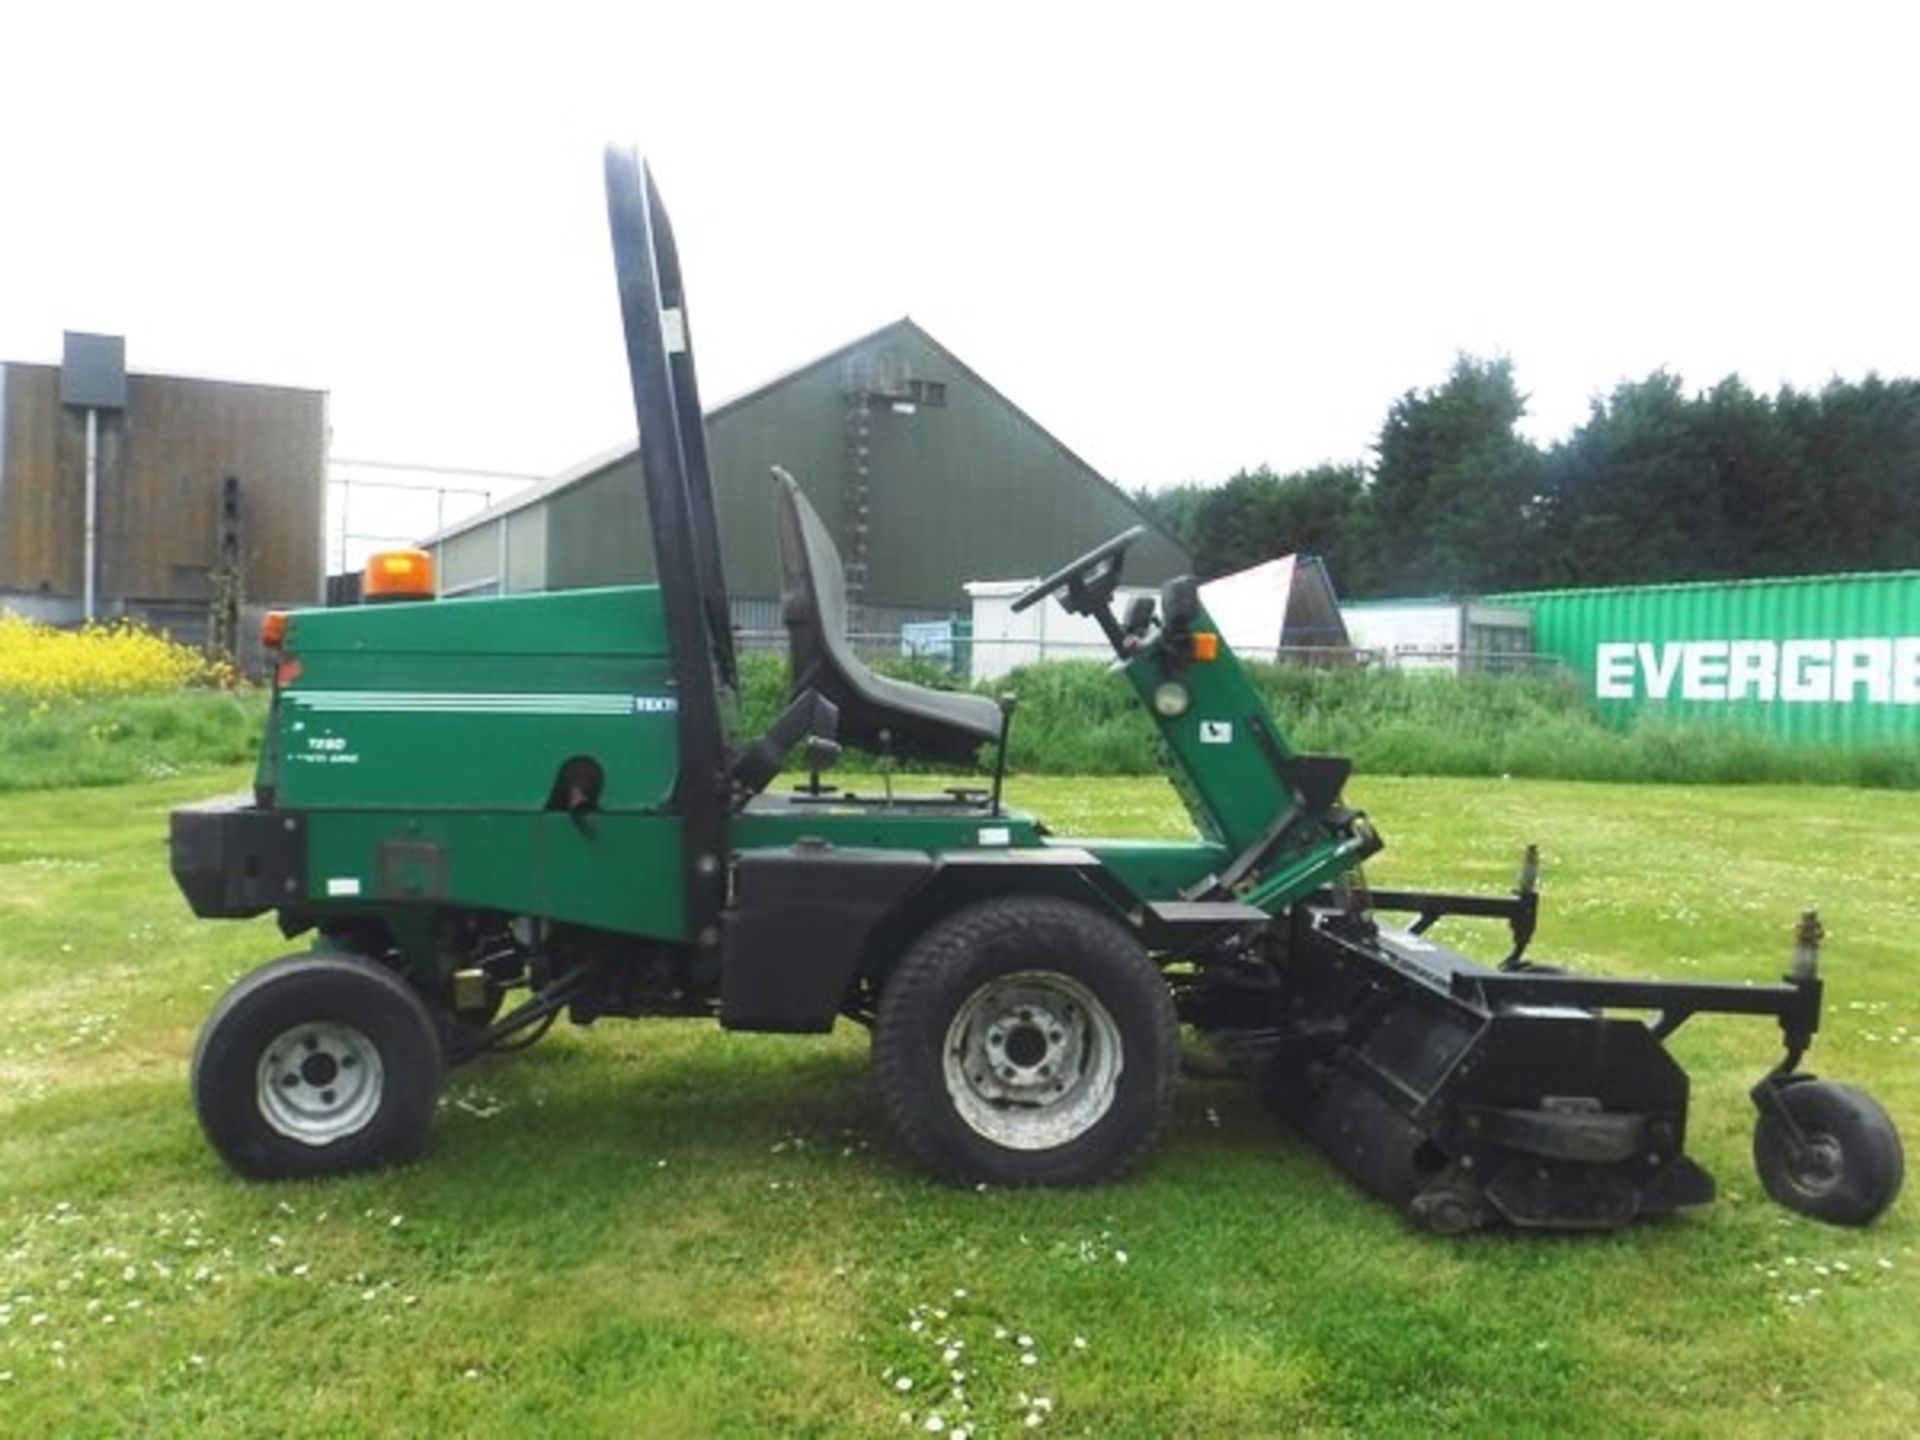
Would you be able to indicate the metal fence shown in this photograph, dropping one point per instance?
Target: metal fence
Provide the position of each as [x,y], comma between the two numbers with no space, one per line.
[957,654]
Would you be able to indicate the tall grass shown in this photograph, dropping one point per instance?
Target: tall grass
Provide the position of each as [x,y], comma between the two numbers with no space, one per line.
[45,746]
[1075,718]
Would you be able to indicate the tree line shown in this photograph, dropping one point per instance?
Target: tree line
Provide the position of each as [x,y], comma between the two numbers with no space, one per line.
[1657,484]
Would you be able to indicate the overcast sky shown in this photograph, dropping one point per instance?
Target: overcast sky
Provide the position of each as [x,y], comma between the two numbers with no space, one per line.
[1186,238]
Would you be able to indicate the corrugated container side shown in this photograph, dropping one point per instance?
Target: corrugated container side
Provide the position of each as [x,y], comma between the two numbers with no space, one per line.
[1829,659]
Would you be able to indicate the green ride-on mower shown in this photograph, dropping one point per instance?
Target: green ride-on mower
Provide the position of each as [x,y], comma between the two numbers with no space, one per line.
[537,799]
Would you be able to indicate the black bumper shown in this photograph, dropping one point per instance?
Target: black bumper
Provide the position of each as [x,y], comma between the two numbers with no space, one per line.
[232,859]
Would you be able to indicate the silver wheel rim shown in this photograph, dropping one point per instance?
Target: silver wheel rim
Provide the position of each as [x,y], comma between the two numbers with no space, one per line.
[1816,1167]
[320,1083]
[1032,1060]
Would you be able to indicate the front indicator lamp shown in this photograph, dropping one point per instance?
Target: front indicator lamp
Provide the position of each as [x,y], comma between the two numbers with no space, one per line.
[1170,700]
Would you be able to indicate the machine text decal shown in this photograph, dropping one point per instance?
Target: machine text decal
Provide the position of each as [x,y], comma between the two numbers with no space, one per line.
[1881,670]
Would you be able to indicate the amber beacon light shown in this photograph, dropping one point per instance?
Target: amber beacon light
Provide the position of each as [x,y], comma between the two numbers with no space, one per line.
[398,575]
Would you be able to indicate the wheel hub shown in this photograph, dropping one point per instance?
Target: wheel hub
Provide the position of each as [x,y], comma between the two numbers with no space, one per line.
[1817,1165]
[1033,1046]
[320,1083]
[1032,1060]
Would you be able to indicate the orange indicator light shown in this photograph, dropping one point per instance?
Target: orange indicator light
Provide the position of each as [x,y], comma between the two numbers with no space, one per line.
[398,575]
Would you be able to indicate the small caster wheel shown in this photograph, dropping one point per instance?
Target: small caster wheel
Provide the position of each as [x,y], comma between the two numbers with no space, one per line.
[1849,1168]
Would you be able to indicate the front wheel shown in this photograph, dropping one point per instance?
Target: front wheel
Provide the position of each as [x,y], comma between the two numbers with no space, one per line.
[1846,1164]
[1027,1041]
[314,1065]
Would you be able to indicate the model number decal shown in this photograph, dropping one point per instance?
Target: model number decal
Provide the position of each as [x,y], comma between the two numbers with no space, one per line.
[325,750]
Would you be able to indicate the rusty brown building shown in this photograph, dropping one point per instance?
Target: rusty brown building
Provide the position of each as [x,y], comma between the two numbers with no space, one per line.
[208,494]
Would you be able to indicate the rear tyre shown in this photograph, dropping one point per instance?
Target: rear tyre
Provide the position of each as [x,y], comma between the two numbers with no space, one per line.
[1850,1167]
[315,1065]
[1026,1041]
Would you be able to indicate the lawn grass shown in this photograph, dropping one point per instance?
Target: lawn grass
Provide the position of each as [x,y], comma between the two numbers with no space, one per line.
[660,1228]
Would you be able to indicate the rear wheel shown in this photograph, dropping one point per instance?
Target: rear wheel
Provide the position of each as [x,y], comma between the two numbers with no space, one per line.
[1027,1041]
[1845,1166]
[317,1064]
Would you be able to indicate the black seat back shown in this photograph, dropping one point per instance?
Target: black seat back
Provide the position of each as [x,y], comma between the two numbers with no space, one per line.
[877,713]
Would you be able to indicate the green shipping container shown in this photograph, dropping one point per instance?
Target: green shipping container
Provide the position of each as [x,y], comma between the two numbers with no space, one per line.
[1831,659]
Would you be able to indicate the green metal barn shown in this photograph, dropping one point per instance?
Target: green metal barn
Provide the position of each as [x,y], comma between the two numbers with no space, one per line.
[928,476]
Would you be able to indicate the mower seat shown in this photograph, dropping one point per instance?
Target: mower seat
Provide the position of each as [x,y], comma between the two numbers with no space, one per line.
[891,717]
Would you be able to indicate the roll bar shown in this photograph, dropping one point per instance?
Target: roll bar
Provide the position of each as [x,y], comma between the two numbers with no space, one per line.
[686,538]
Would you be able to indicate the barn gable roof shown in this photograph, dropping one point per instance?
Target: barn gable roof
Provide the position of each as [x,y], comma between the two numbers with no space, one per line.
[906,327]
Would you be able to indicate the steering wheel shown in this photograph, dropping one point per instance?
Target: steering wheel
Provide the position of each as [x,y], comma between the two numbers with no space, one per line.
[1099,567]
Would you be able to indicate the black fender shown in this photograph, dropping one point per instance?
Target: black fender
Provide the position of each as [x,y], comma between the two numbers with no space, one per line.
[807,922]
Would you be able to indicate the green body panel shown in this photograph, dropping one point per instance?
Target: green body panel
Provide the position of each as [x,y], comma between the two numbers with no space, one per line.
[622,621]
[1227,778]
[933,826]
[1227,764]
[422,742]
[1157,869]
[613,872]
[476,704]
[1148,869]
[1831,659]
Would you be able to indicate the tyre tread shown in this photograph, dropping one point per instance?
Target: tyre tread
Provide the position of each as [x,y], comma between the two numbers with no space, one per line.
[274,1161]
[946,944]
[1870,1149]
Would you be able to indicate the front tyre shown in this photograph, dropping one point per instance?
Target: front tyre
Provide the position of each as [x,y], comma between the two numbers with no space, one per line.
[1845,1166]
[315,1065]
[1027,1041]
